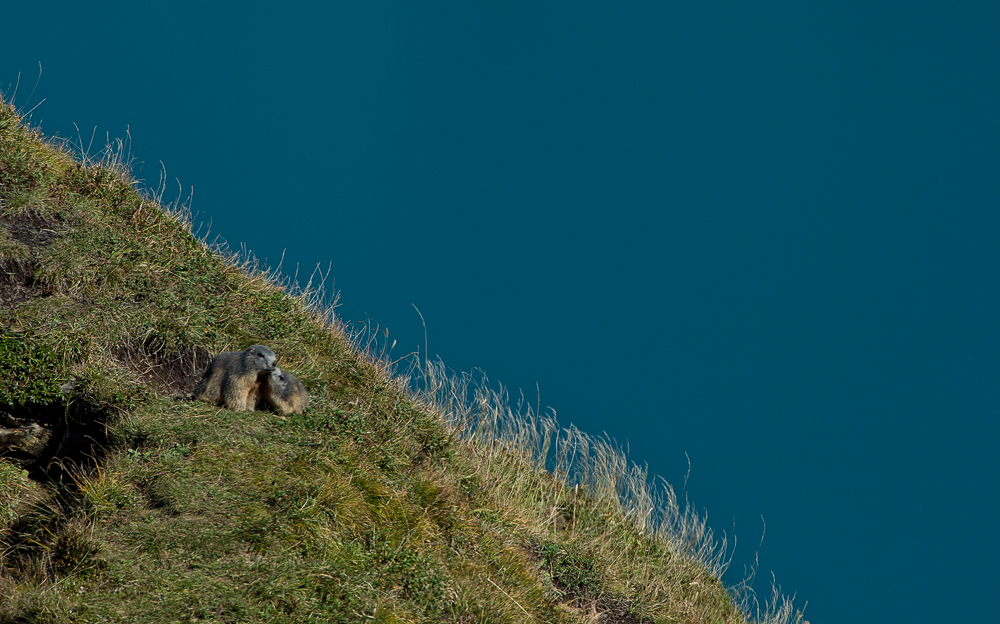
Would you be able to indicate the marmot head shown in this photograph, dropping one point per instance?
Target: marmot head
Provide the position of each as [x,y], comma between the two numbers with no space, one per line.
[279,382]
[260,358]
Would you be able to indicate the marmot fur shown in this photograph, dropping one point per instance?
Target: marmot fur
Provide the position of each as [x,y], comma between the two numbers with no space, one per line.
[283,392]
[233,378]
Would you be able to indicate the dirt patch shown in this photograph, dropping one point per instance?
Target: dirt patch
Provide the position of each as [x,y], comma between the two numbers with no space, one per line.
[579,587]
[31,231]
[606,611]
[167,372]
[17,283]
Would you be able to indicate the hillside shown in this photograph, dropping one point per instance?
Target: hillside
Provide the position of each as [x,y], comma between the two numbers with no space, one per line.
[392,499]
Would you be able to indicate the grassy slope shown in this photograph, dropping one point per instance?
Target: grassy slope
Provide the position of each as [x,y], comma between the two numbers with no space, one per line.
[370,505]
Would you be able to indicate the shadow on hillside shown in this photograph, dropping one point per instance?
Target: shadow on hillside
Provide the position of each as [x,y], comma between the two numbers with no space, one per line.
[53,440]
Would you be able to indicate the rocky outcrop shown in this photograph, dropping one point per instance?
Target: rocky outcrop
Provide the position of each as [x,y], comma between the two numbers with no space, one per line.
[19,438]
[46,438]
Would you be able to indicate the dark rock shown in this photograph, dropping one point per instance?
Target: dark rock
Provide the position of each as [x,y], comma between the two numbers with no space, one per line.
[31,439]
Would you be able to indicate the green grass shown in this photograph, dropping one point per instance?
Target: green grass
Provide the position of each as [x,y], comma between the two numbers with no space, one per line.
[418,497]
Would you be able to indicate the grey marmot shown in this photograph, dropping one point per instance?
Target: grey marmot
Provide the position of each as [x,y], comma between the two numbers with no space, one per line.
[233,379]
[283,392]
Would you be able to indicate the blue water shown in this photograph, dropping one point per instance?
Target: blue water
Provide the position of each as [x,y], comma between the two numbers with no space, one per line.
[762,237]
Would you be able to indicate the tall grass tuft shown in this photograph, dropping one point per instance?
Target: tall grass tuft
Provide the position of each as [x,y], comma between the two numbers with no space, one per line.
[505,436]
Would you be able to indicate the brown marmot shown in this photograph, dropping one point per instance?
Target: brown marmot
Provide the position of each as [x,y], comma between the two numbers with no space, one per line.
[284,393]
[233,379]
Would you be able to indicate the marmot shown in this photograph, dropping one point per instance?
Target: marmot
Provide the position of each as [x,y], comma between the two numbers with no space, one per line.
[233,378]
[283,392]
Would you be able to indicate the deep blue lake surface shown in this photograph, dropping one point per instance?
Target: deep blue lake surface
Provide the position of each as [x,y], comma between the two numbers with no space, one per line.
[762,237]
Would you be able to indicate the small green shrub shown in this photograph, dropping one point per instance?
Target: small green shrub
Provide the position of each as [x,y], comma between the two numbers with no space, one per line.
[32,372]
[572,570]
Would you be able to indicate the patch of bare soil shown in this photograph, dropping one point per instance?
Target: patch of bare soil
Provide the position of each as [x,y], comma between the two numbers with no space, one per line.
[601,608]
[17,282]
[30,231]
[605,610]
[167,372]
